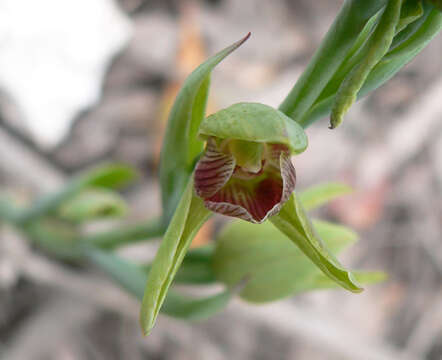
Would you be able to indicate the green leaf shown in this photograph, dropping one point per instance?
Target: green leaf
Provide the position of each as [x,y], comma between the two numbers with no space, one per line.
[411,11]
[377,47]
[93,203]
[335,236]
[437,4]
[320,281]
[402,54]
[294,223]
[196,268]
[319,195]
[188,308]
[132,278]
[254,122]
[181,145]
[353,57]
[411,28]
[188,218]
[195,272]
[56,237]
[339,40]
[129,276]
[407,44]
[267,258]
[125,235]
[108,176]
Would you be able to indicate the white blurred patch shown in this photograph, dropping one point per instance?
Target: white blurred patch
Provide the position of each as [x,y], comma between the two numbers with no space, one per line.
[53,56]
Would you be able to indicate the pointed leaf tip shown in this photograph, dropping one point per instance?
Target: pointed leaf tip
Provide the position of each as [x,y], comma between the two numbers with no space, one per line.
[245,38]
[189,216]
[294,223]
[180,144]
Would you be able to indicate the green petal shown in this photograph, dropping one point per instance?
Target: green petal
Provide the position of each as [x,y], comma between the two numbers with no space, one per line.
[189,216]
[294,223]
[248,154]
[181,145]
[132,278]
[255,122]
[274,267]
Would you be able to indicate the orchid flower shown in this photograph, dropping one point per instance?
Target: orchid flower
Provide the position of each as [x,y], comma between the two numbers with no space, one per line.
[245,171]
[237,162]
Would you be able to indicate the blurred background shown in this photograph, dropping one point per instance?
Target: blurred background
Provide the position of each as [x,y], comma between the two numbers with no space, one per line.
[90,81]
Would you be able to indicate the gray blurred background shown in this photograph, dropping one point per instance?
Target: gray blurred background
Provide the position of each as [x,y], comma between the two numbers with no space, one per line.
[89,81]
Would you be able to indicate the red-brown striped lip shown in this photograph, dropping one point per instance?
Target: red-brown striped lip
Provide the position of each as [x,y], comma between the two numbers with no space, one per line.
[227,190]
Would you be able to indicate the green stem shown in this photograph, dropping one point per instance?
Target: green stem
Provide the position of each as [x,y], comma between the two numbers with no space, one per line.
[189,216]
[107,176]
[42,231]
[126,235]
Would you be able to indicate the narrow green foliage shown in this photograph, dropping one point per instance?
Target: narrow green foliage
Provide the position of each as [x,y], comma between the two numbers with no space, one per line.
[403,53]
[181,145]
[412,27]
[320,281]
[189,308]
[196,267]
[437,4]
[411,11]
[354,56]
[339,40]
[195,271]
[126,234]
[319,195]
[378,46]
[112,176]
[129,276]
[405,46]
[188,218]
[92,204]
[132,278]
[56,237]
[294,223]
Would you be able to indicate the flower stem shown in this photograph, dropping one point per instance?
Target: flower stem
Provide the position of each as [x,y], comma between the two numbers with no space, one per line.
[126,235]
